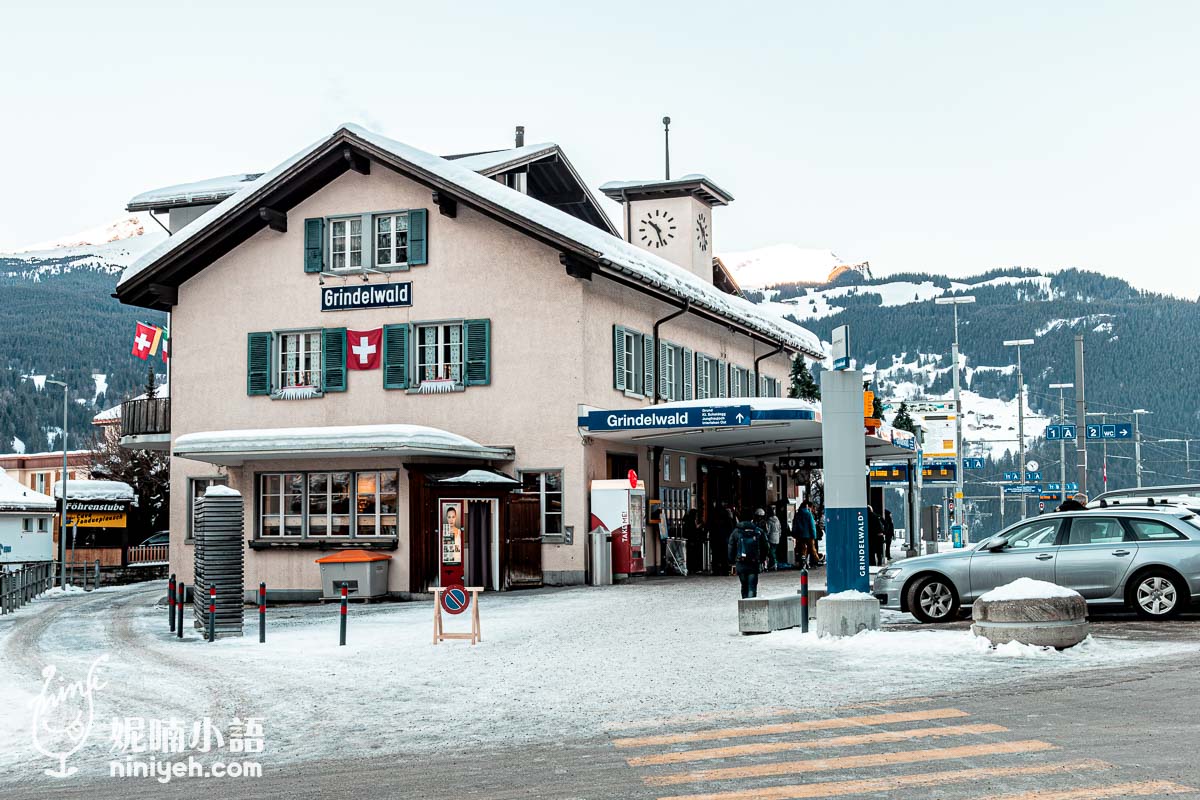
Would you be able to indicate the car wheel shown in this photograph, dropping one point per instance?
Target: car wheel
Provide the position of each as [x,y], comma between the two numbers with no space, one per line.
[933,599]
[1157,595]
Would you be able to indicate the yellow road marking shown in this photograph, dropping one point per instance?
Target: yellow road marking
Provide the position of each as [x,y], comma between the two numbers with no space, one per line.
[792,727]
[1135,789]
[850,762]
[893,783]
[763,748]
[753,713]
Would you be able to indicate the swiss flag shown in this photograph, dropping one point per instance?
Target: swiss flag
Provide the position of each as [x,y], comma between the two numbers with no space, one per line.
[143,340]
[362,349]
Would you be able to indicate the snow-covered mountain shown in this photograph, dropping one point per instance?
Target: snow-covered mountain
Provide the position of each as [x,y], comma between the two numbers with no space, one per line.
[781,263]
[110,247]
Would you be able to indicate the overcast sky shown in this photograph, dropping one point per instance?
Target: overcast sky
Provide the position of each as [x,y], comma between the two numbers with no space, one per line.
[944,137]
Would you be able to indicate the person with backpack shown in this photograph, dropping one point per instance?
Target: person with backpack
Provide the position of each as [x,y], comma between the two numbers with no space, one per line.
[747,552]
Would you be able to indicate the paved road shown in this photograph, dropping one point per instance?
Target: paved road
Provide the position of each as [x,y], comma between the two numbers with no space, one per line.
[1111,733]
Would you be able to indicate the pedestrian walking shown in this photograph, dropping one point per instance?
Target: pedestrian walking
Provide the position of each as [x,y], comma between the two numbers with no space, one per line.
[804,529]
[889,534]
[774,531]
[748,552]
[720,526]
[875,536]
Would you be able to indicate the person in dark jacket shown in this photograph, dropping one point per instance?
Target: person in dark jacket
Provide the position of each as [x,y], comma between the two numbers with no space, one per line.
[875,537]
[889,534]
[1076,503]
[720,526]
[804,528]
[748,552]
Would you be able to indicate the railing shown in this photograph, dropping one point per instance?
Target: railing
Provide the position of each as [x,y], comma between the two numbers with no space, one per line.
[144,554]
[19,587]
[148,415]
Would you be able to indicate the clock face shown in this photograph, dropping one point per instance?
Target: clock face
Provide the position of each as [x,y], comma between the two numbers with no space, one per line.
[656,228]
[702,232]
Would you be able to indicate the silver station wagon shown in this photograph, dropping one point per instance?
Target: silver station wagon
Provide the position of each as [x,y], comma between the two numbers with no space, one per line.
[1130,555]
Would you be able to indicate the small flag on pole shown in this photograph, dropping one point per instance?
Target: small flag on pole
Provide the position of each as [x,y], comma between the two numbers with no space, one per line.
[145,337]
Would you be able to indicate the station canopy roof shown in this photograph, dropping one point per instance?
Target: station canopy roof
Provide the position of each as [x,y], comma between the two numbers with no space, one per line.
[233,448]
[753,428]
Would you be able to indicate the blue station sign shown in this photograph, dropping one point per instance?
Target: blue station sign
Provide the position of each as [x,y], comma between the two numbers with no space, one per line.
[1029,488]
[1121,431]
[649,418]
[1058,433]
[973,463]
[367,295]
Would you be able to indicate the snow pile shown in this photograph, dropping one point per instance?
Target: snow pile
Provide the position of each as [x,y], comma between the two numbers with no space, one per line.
[116,491]
[850,594]
[220,490]
[1028,589]
[211,190]
[419,439]
[15,497]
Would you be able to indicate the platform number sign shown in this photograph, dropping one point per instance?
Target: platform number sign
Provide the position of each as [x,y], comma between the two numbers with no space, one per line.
[973,463]
[1121,431]
[1057,433]
[455,600]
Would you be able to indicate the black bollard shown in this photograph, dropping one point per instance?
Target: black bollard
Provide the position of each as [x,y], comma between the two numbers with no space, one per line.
[179,608]
[804,599]
[170,599]
[262,613]
[342,638]
[212,613]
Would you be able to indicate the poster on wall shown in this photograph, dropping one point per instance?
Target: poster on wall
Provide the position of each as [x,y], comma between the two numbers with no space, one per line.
[452,518]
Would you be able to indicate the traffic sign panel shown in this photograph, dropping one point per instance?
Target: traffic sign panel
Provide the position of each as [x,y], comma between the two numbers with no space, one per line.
[455,599]
[1069,432]
[1033,475]
[1028,488]
[1092,432]
[1108,431]
[1124,430]
[1054,432]
[1012,476]
[973,463]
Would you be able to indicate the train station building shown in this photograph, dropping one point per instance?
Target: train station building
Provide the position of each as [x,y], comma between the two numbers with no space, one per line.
[435,357]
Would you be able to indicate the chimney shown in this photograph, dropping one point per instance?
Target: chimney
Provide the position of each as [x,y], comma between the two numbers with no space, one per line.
[520,136]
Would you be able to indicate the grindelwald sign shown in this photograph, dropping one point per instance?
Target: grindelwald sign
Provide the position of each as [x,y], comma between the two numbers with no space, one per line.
[379,295]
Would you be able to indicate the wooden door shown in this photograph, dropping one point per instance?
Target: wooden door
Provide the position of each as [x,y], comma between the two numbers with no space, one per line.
[523,543]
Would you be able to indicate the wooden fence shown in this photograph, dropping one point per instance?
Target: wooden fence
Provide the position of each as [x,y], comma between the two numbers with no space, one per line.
[19,587]
[146,554]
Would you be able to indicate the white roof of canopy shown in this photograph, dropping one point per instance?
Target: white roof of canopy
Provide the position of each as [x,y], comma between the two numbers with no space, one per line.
[96,490]
[233,448]
[778,427]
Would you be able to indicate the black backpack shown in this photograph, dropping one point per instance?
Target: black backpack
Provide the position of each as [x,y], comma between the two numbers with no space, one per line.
[748,535]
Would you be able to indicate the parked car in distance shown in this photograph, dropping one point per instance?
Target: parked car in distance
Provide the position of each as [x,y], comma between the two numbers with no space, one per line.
[162,537]
[1143,557]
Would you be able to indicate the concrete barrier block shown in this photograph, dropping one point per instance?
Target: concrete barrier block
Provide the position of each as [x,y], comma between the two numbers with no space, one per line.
[847,613]
[1058,622]
[766,614]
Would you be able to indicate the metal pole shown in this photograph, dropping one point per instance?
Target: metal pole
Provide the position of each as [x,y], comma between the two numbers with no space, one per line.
[804,599]
[171,601]
[262,613]
[74,536]
[958,454]
[1137,449]
[212,613]
[179,610]
[342,631]
[1080,415]
[1062,449]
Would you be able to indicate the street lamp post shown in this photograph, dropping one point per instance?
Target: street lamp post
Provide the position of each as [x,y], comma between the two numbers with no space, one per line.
[955,302]
[1062,443]
[1019,343]
[62,519]
[1137,444]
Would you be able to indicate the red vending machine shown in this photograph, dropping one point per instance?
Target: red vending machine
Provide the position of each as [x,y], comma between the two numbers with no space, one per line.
[620,508]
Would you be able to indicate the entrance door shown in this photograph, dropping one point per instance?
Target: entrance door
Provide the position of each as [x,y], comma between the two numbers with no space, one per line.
[523,543]
[619,465]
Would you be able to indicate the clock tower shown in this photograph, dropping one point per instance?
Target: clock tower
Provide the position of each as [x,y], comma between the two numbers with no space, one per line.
[671,218]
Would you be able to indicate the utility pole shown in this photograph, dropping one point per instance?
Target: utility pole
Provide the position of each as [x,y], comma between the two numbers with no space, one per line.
[1019,343]
[1062,443]
[1137,444]
[958,411]
[62,519]
[1103,415]
[667,146]
[1080,415]
[1187,452]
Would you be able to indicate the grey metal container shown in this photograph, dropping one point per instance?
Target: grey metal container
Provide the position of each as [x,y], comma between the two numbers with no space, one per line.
[361,578]
[601,566]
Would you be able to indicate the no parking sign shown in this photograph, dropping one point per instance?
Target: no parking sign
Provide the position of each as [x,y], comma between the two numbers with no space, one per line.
[455,599]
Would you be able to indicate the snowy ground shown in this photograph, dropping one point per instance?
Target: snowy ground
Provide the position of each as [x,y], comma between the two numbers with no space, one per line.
[554,665]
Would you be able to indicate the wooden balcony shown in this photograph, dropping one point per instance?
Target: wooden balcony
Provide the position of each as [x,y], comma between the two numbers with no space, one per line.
[146,423]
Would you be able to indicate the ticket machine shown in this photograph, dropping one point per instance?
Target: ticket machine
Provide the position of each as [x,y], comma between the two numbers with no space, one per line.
[620,508]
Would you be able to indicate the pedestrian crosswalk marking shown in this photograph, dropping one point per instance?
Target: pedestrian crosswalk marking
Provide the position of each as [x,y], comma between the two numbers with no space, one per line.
[756,713]
[895,782]
[852,762]
[791,727]
[1135,789]
[764,748]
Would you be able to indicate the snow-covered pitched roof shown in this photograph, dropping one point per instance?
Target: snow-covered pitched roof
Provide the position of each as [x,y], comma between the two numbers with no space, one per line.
[697,183]
[237,446]
[213,190]
[96,490]
[611,252]
[15,497]
[496,160]
[111,415]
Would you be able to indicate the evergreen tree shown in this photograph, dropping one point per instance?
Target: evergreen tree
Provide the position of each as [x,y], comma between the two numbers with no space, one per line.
[904,420]
[877,408]
[803,386]
[151,387]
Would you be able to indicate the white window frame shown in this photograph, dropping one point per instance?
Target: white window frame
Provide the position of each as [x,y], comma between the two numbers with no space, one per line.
[305,514]
[633,347]
[666,467]
[393,249]
[668,370]
[278,382]
[26,524]
[192,483]
[543,513]
[443,363]
[683,469]
[43,524]
[347,252]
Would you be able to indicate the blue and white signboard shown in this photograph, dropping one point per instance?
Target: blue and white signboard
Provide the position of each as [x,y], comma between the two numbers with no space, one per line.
[973,463]
[841,347]
[1028,488]
[1058,487]
[692,417]
[1122,431]
[1012,476]
[368,295]
[1061,433]
[1033,475]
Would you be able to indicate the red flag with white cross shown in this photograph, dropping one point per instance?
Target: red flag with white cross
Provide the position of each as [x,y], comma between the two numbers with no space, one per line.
[363,349]
[143,340]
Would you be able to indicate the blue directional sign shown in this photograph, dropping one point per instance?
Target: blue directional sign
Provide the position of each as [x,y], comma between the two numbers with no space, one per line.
[1059,487]
[1060,432]
[1072,487]
[691,417]
[1053,487]
[1032,475]
[1108,431]
[1124,430]
[1069,432]
[1028,488]
[1092,432]
[1012,476]
[973,463]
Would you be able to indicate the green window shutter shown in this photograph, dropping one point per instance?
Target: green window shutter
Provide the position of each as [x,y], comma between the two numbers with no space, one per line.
[702,389]
[477,333]
[722,379]
[333,359]
[687,374]
[417,237]
[648,365]
[664,358]
[619,357]
[395,356]
[258,363]
[314,245]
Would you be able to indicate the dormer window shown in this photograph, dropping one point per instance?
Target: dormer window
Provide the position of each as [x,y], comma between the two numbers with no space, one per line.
[391,240]
[345,243]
